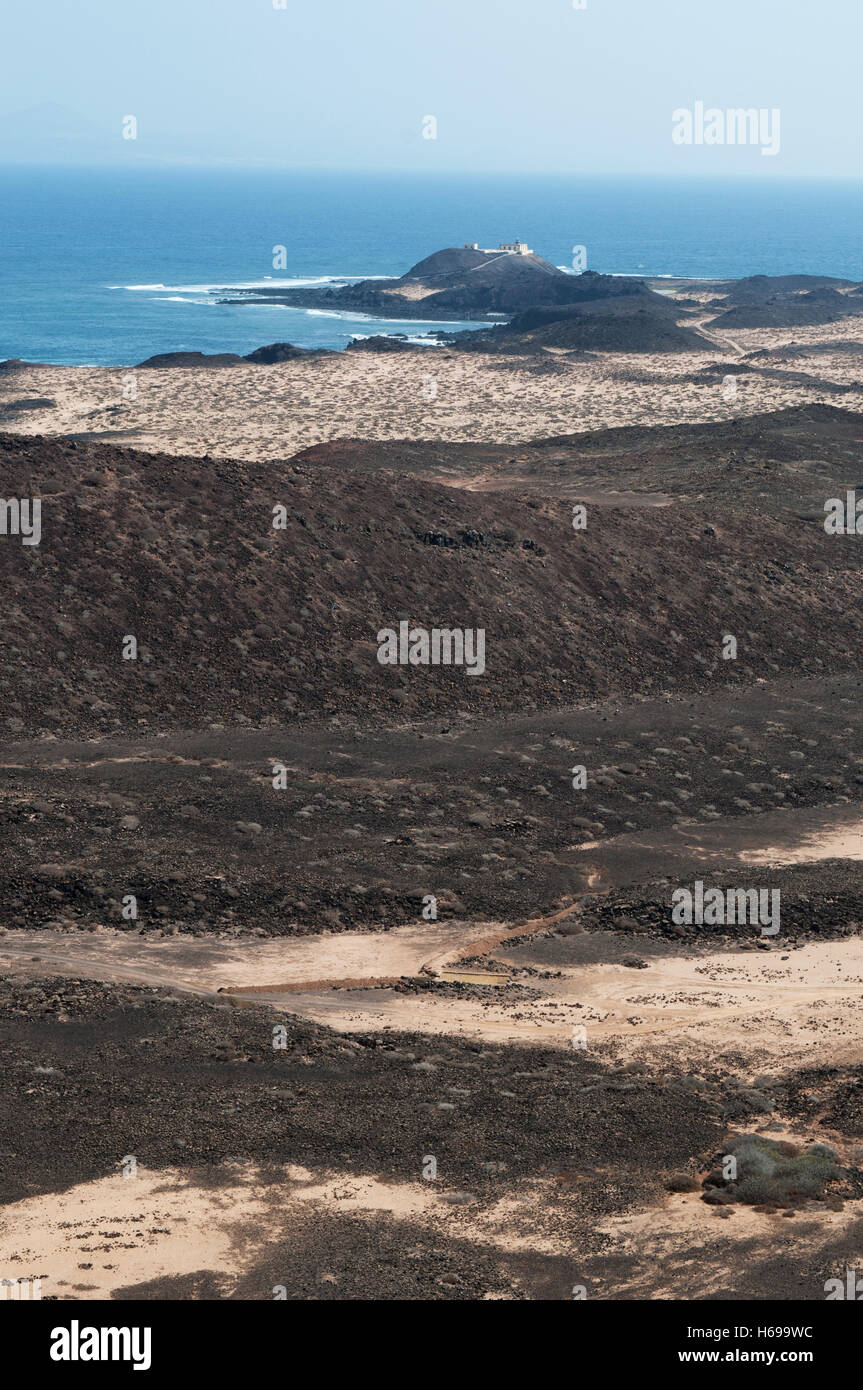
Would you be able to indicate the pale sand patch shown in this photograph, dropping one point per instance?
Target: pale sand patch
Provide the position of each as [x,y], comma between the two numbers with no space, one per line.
[114,1232]
[202,966]
[259,413]
[804,835]
[752,1005]
[101,1235]
[806,1008]
[835,844]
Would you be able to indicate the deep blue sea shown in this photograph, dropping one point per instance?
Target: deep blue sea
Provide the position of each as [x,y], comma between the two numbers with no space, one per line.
[110,266]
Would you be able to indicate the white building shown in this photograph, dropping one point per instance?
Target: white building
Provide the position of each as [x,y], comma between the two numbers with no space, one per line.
[514,248]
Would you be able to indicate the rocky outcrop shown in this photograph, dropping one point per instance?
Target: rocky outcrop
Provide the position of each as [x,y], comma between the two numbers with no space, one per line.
[192,359]
[457,284]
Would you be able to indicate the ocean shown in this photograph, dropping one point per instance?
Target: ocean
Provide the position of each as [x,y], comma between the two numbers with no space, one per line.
[107,267]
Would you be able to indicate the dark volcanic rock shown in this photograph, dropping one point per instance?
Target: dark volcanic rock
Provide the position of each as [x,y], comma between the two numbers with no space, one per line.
[31,403]
[192,359]
[785,462]
[11,365]
[317,1101]
[758,289]
[282,352]
[591,330]
[789,310]
[457,283]
[234,618]
[381,342]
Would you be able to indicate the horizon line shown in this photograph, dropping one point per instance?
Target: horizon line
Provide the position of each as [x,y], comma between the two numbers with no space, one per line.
[264,166]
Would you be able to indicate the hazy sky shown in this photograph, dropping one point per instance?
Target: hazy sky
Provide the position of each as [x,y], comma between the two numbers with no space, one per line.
[537,85]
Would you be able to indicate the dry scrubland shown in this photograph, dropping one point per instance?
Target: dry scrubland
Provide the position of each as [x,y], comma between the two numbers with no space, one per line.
[261,412]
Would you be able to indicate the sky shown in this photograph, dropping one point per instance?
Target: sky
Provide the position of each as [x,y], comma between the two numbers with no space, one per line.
[537,86]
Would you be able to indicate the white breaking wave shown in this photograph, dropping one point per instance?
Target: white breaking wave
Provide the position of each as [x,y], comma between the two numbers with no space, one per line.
[425,340]
[287,282]
[635,274]
[335,314]
[371,318]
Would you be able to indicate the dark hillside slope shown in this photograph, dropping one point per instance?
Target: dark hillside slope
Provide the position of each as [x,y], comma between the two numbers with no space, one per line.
[241,623]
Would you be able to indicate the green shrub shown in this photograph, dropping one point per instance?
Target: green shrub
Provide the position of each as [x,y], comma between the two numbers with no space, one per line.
[774,1172]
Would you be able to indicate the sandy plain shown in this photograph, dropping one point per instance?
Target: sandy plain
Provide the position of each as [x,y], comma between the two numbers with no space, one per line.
[264,412]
